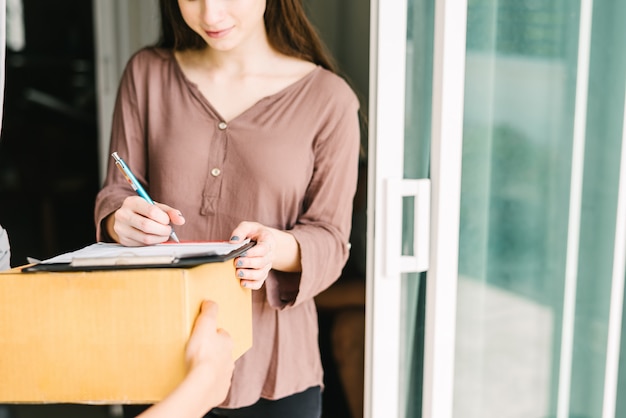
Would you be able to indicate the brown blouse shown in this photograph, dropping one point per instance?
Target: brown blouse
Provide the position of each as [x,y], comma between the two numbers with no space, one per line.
[289,162]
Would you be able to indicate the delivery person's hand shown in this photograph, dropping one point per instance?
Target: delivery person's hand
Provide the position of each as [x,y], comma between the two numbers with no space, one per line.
[210,362]
[209,356]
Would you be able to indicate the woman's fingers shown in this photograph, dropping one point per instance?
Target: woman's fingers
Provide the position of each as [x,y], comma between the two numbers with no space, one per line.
[253,266]
[174,215]
[138,222]
[253,278]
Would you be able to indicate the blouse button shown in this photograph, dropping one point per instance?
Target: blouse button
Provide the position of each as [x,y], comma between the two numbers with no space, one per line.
[216,172]
[222,125]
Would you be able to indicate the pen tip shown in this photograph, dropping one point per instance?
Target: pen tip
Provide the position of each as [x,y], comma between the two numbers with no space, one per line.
[174,237]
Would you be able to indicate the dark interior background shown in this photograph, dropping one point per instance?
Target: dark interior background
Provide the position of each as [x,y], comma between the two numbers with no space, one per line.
[48,149]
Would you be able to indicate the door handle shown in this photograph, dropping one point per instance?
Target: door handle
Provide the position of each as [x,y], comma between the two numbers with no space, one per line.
[396,263]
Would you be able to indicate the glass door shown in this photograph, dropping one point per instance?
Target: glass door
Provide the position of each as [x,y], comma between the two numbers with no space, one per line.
[538,253]
[510,116]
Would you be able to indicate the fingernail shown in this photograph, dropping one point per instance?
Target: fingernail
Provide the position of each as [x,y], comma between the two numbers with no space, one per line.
[239,263]
[240,273]
[234,238]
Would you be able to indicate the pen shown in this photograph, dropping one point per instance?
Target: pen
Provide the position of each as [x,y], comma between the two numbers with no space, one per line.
[132,180]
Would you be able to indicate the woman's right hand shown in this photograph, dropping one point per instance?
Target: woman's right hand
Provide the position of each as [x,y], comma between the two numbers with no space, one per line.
[139,223]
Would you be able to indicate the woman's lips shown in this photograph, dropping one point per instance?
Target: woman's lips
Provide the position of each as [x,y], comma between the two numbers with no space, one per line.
[216,34]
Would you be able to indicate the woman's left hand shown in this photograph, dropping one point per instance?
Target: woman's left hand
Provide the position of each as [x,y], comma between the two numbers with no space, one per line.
[253,266]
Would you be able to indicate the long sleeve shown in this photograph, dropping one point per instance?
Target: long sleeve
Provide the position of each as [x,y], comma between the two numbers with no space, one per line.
[323,230]
[127,138]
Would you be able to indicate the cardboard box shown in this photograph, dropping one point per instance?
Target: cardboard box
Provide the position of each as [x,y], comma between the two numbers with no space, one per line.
[109,336]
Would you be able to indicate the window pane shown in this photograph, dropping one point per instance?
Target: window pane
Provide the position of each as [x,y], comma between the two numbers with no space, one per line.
[521,84]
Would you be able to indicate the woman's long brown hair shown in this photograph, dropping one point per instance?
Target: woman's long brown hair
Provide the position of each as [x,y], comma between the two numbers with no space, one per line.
[289,32]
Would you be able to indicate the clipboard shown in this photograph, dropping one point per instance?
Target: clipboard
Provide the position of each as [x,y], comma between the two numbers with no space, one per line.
[106,256]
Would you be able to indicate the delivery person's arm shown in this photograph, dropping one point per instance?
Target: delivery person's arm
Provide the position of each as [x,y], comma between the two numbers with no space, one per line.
[209,356]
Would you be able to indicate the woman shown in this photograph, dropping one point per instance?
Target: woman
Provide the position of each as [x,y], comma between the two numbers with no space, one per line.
[237,120]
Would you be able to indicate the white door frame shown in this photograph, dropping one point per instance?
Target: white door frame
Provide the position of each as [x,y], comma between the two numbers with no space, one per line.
[386,148]
[383,315]
[446,157]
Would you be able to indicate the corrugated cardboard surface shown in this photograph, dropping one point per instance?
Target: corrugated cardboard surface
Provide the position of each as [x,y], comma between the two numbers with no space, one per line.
[109,336]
